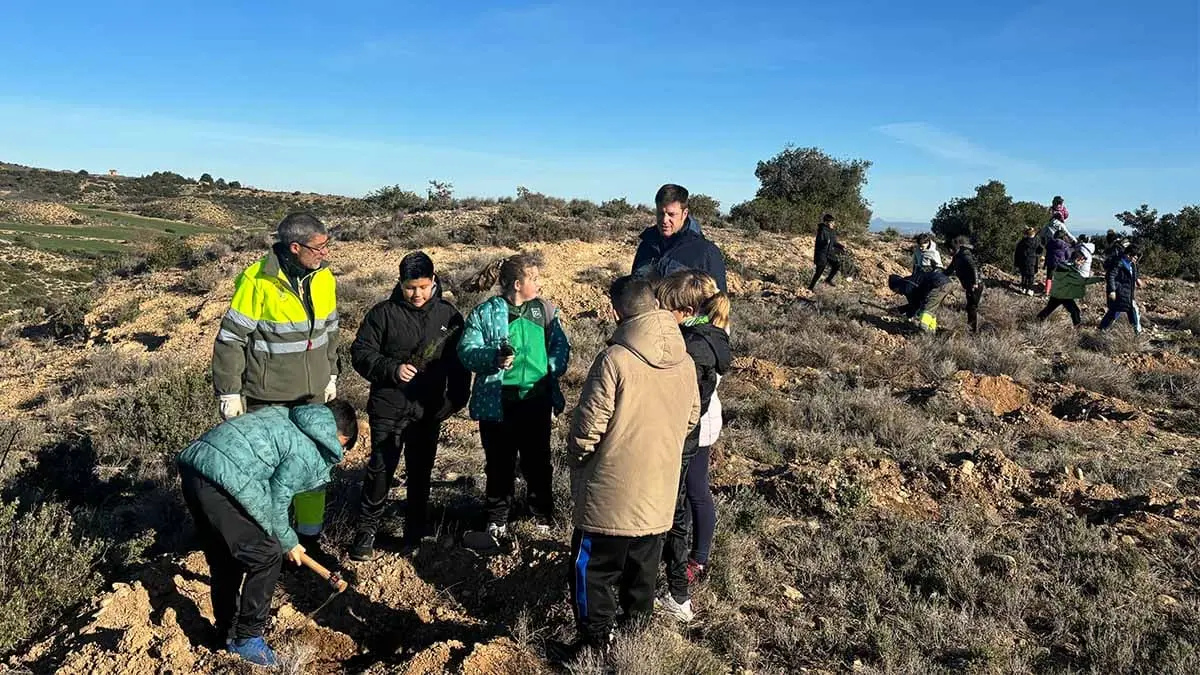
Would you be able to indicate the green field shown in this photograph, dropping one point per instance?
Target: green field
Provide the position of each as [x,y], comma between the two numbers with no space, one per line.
[68,246]
[155,226]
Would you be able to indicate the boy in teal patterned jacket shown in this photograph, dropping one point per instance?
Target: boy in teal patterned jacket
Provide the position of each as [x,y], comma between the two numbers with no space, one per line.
[238,480]
[516,347]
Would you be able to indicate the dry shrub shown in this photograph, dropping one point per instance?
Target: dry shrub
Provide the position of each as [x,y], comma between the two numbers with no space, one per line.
[1096,372]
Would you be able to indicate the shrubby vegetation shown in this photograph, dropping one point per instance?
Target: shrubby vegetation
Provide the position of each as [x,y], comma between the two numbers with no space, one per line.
[799,185]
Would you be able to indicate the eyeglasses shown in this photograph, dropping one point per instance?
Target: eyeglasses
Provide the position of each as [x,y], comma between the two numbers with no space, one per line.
[323,248]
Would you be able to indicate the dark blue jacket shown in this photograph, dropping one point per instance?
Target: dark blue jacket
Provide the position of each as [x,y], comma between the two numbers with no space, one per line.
[1122,279]
[686,250]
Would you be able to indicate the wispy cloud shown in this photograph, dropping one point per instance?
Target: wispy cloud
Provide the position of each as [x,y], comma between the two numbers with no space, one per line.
[950,146]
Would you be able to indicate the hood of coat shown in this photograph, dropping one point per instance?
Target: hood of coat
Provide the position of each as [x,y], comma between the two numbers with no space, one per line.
[654,337]
[718,340]
[316,421]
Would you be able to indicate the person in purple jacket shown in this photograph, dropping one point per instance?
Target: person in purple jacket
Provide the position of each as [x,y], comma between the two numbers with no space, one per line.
[1058,252]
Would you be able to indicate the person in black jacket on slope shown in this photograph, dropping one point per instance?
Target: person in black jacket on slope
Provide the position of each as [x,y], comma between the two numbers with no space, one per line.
[407,349]
[965,267]
[826,252]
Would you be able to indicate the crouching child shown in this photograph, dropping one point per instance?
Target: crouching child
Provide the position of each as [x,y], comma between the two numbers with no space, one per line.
[238,480]
[638,405]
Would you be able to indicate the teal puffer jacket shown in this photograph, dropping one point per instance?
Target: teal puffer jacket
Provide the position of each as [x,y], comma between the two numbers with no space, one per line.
[265,457]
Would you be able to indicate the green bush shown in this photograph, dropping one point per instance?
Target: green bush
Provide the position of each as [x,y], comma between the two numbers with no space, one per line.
[706,210]
[395,198]
[146,426]
[800,184]
[172,253]
[583,209]
[991,219]
[617,208]
[45,568]
[65,315]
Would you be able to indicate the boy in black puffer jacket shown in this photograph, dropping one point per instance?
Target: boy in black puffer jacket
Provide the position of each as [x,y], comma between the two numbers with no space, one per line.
[407,349]
[1026,259]
[702,311]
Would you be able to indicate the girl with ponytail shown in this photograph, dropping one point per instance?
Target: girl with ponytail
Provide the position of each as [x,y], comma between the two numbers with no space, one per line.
[702,311]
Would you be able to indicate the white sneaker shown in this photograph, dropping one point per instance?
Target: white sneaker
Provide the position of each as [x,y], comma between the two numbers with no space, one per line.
[679,611]
[497,532]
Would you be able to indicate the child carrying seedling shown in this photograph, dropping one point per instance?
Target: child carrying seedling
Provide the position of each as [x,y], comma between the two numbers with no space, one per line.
[238,480]
[702,312]
[517,349]
[407,348]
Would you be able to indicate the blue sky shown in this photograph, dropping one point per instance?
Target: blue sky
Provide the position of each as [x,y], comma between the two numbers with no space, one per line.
[1097,101]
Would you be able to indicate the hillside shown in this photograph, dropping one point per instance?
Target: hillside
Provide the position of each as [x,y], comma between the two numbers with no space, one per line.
[1022,500]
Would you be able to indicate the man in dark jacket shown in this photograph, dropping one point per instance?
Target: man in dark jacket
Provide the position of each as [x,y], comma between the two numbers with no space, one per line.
[825,251]
[1121,282]
[675,242]
[964,266]
[407,349]
[1025,259]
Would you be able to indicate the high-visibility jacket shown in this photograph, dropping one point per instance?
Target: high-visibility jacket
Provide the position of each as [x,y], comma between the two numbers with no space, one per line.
[278,343]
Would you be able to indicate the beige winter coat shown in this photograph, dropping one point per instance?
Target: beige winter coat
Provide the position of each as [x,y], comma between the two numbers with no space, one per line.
[626,442]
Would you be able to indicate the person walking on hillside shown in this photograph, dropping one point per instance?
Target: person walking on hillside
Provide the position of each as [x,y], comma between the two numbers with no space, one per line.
[277,344]
[637,407]
[675,242]
[1121,284]
[1058,251]
[1025,259]
[702,312]
[238,480]
[925,254]
[1070,286]
[515,345]
[407,348]
[965,267]
[826,250]
[1086,247]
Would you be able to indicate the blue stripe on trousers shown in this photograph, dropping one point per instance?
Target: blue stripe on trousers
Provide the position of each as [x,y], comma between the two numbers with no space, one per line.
[581,563]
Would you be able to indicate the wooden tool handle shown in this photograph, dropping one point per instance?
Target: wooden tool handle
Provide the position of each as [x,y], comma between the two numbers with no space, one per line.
[338,583]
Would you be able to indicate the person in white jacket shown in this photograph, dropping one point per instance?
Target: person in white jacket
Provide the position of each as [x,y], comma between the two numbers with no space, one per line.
[925,254]
[1087,249]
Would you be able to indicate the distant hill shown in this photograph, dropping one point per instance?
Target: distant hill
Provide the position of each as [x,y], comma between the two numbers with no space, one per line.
[901,226]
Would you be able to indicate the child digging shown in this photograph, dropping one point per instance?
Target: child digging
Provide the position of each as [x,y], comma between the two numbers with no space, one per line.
[702,312]
[517,349]
[238,480]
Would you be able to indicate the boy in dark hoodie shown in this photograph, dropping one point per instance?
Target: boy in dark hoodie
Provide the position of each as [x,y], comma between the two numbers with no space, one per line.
[1121,282]
[924,292]
[702,312]
[825,251]
[1025,259]
[964,266]
[406,348]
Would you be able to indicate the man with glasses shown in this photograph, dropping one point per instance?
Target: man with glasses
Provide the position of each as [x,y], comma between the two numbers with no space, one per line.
[278,341]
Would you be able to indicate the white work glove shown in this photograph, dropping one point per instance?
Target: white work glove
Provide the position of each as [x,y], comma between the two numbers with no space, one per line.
[331,389]
[230,405]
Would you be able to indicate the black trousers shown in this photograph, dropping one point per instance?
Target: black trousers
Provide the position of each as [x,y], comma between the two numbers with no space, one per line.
[1027,279]
[1055,303]
[974,297]
[834,266]
[240,554]
[600,563]
[676,543]
[418,442]
[524,433]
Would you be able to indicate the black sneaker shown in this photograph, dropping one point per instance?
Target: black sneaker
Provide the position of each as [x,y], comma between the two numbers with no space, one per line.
[363,548]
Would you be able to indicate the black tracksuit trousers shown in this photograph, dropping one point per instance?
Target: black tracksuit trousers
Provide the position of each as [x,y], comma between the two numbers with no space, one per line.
[240,554]
[417,440]
[600,563]
[524,433]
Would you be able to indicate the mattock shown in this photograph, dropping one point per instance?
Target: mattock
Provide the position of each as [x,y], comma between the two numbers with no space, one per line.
[336,582]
